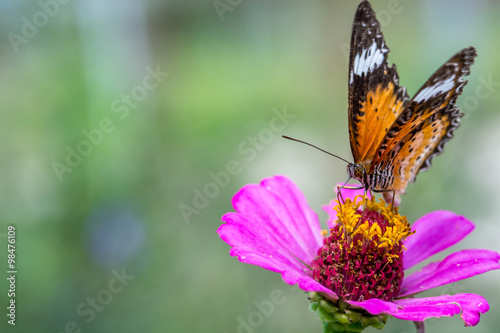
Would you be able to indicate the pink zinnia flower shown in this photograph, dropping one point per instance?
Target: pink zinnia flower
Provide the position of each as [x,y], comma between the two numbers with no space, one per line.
[354,273]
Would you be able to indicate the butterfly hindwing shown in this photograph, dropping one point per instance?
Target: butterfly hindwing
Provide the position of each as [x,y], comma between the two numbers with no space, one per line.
[423,128]
[407,157]
[375,97]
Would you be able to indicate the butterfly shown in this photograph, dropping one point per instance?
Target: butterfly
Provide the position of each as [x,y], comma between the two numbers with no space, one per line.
[393,137]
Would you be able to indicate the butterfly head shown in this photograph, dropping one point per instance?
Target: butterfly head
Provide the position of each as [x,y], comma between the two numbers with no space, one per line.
[356,171]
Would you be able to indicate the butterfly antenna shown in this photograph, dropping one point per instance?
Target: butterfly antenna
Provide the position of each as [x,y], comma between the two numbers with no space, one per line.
[324,151]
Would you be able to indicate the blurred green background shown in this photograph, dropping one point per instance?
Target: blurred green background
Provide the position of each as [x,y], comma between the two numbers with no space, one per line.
[115,114]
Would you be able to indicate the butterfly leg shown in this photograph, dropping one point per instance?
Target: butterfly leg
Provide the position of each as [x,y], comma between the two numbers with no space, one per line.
[339,190]
[364,207]
[341,200]
[395,198]
[340,187]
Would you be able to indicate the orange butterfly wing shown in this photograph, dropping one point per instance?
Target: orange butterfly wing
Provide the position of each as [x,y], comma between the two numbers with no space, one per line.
[375,98]
[423,128]
[392,138]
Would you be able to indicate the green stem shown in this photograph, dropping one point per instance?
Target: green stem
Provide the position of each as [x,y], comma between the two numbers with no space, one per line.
[419,325]
[332,327]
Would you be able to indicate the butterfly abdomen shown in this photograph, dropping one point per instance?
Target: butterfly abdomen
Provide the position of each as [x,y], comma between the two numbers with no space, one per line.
[381,179]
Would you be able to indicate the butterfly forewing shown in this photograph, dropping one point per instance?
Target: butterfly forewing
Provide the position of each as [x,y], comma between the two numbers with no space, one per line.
[424,126]
[375,98]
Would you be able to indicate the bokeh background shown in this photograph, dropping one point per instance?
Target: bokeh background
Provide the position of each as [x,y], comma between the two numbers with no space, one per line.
[116,115]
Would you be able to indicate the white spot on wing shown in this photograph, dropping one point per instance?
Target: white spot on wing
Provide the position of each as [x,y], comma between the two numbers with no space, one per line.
[436,89]
[369,59]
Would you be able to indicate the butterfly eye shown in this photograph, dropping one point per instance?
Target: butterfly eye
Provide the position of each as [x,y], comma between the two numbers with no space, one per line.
[359,171]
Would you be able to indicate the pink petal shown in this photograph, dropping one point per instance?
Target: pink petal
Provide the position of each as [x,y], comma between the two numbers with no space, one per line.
[332,213]
[274,228]
[376,306]
[457,266]
[250,249]
[346,193]
[435,232]
[247,238]
[305,220]
[419,309]
[277,206]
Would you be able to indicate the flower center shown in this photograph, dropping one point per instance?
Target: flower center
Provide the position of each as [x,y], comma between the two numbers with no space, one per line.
[362,258]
